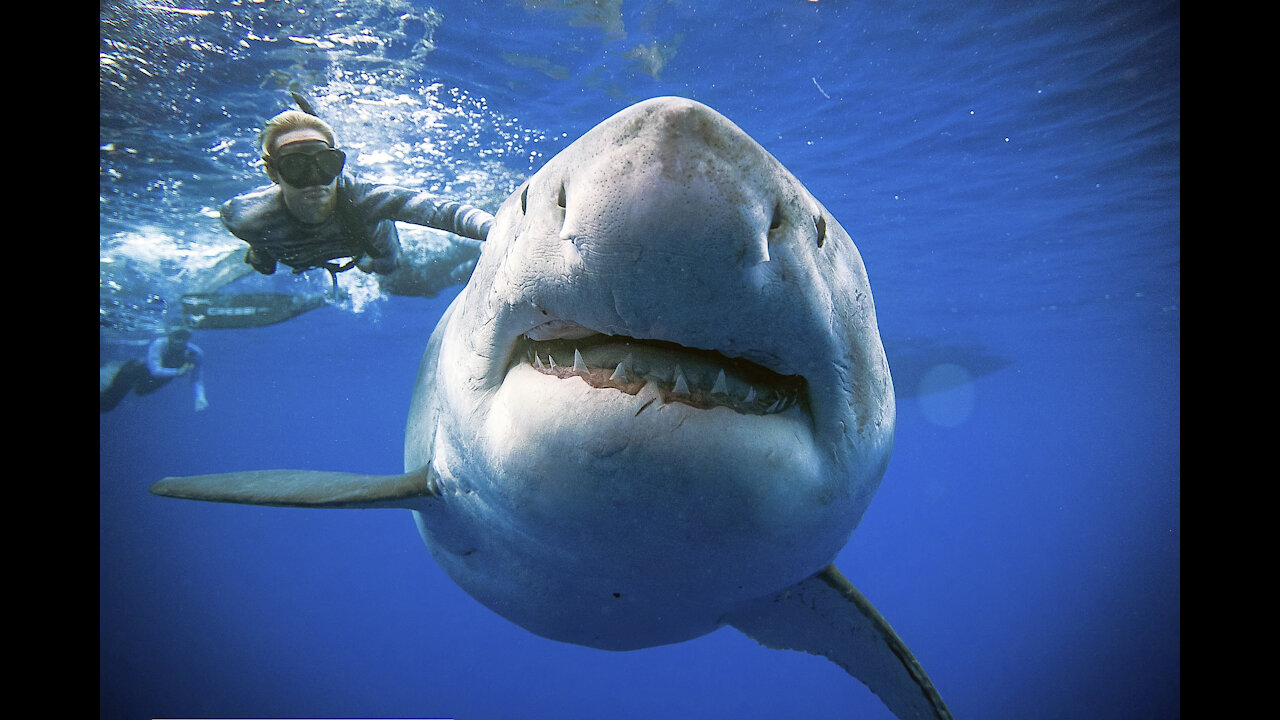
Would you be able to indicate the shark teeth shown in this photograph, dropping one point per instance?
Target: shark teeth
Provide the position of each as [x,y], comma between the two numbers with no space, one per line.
[681,385]
[619,374]
[698,378]
[721,387]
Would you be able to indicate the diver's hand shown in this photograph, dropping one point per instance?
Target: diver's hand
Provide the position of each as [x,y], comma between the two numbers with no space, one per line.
[264,265]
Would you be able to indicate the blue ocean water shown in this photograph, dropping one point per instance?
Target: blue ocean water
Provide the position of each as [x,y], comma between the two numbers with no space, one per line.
[1010,174]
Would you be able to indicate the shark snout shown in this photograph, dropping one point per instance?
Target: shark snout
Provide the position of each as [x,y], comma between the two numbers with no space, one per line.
[688,188]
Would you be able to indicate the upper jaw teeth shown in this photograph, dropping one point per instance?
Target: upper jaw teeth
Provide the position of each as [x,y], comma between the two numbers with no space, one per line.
[721,387]
[680,385]
[619,373]
[697,378]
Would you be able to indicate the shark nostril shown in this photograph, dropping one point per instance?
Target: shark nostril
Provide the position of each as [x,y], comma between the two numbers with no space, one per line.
[560,201]
[776,221]
[524,199]
[820,223]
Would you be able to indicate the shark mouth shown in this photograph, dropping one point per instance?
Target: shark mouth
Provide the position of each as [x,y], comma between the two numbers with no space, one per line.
[699,378]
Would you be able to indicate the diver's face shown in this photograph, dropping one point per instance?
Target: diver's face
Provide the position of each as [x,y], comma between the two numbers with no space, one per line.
[310,203]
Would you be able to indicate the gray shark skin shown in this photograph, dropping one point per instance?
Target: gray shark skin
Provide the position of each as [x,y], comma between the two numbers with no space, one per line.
[659,406]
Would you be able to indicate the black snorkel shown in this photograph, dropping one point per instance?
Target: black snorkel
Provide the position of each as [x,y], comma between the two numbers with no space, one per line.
[303,104]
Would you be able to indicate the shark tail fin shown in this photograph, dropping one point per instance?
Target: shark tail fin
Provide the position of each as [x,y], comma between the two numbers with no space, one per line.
[305,488]
[826,615]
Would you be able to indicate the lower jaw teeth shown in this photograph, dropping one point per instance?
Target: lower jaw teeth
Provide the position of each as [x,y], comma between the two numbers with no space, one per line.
[747,400]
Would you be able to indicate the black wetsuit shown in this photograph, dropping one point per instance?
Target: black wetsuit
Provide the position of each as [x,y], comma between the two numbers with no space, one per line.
[165,361]
[362,224]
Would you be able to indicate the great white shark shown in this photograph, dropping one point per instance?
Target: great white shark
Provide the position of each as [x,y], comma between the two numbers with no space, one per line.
[659,406]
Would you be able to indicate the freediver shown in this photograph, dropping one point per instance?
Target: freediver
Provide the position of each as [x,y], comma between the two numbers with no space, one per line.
[168,357]
[314,215]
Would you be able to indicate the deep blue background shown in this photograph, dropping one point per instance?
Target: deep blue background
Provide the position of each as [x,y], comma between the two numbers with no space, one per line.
[1011,177]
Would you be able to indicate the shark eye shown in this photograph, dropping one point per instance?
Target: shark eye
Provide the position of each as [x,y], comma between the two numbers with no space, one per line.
[820,223]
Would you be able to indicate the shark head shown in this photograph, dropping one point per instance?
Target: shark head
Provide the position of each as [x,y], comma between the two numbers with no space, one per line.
[662,392]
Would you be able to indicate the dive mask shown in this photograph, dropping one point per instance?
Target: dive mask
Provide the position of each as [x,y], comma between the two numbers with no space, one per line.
[306,169]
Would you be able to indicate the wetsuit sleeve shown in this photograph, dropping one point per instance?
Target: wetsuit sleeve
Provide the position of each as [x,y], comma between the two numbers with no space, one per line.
[195,356]
[391,202]
[233,220]
[260,260]
[155,364]
[384,242]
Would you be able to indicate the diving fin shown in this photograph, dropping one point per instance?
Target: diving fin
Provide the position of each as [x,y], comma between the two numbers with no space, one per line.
[826,615]
[305,488]
[222,311]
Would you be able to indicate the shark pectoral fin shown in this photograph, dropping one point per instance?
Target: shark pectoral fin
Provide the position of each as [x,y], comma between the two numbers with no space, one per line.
[305,488]
[826,615]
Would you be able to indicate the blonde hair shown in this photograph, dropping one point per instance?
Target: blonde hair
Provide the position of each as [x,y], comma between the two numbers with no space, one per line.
[288,121]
